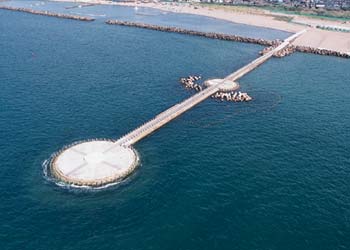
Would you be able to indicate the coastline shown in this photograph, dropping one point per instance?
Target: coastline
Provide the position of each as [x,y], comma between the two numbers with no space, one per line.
[315,38]
[270,43]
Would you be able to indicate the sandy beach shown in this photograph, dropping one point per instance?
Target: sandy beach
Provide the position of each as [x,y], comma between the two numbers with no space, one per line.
[332,40]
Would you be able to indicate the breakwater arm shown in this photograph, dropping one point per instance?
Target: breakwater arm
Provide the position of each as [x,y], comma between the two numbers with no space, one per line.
[274,43]
[212,35]
[260,60]
[320,51]
[47,13]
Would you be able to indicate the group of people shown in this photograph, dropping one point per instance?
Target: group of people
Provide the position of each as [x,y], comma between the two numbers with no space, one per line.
[190,82]
[232,96]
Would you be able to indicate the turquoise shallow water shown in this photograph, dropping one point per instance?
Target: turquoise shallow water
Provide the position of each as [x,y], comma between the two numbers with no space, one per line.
[270,174]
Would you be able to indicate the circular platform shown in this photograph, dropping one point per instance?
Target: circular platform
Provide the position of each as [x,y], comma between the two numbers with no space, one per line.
[94,163]
[226,85]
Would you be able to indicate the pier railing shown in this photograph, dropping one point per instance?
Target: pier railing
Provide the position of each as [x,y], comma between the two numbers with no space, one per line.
[178,109]
[165,117]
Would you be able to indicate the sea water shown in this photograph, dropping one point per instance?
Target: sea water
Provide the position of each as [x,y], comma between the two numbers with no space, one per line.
[269,174]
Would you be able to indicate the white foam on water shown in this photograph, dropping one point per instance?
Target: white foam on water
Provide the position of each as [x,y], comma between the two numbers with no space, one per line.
[96,15]
[46,166]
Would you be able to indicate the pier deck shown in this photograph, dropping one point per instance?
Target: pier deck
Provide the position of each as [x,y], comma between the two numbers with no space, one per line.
[178,109]
[96,163]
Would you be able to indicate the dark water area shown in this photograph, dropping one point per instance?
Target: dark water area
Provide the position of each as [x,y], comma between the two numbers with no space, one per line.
[271,174]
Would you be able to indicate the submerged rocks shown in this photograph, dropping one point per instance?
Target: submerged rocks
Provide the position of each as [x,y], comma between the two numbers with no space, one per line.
[212,35]
[47,13]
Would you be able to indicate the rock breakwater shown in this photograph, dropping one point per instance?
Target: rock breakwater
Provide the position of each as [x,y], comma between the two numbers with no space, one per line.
[270,43]
[212,35]
[47,13]
[232,96]
[285,52]
[190,83]
[304,49]
[319,51]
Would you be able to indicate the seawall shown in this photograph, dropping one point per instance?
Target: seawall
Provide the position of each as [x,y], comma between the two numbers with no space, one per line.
[212,35]
[47,13]
[319,51]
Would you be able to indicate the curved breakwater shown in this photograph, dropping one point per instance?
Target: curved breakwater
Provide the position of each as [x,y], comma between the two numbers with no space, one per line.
[47,13]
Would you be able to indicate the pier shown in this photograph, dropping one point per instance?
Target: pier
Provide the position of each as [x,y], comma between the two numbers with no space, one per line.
[100,162]
[182,107]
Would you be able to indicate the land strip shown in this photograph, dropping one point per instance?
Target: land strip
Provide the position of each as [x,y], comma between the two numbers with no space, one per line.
[315,38]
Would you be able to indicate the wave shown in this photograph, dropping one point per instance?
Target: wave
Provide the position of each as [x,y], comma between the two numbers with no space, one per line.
[49,177]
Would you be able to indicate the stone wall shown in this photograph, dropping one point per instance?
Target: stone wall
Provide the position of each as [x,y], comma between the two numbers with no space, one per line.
[47,13]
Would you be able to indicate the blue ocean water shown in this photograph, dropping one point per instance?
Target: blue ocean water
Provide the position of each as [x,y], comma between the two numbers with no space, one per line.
[270,174]
[152,16]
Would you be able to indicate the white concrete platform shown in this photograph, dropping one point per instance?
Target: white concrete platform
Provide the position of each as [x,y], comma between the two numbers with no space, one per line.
[94,163]
[226,85]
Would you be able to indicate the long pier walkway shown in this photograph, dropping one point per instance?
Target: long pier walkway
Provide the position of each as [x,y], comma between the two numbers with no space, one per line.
[176,110]
[96,163]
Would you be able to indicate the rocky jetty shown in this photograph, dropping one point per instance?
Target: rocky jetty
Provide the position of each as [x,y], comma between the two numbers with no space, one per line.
[304,49]
[190,82]
[47,13]
[285,52]
[232,96]
[212,35]
[281,53]
[267,50]
[319,51]
[270,43]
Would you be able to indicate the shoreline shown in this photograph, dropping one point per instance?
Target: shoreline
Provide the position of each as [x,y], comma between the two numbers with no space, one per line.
[270,44]
[314,38]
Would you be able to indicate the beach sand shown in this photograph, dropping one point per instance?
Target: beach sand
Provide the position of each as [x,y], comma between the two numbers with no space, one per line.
[317,38]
